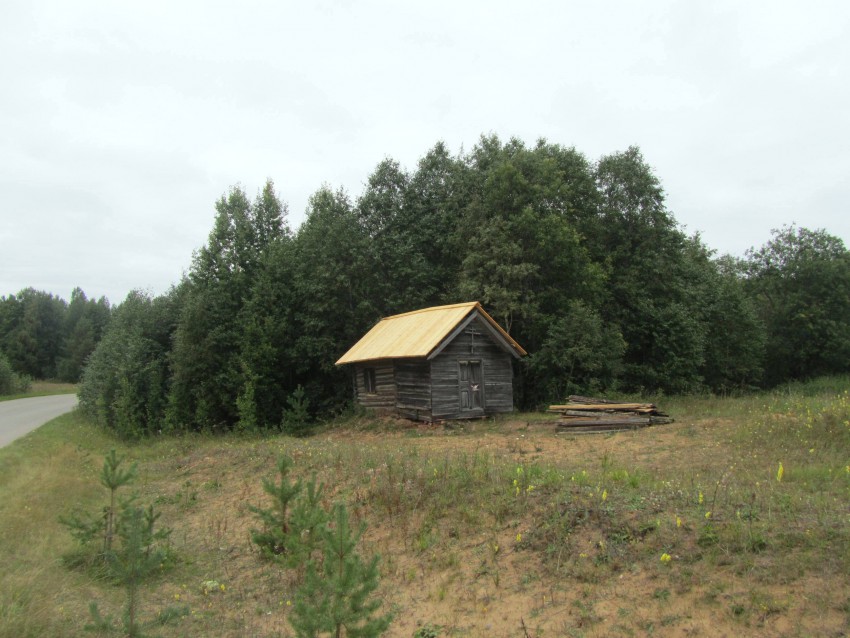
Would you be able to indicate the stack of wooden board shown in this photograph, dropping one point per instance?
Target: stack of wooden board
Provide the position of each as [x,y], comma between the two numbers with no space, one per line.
[587,414]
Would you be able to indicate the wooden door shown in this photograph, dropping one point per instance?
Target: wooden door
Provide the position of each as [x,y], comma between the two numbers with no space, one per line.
[471,385]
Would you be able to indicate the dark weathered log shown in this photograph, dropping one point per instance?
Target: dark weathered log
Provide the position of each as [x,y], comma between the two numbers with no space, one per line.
[601,429]
[575,398]
[618,420]
[625,417]
[603,406]
[661,420]
[607,429]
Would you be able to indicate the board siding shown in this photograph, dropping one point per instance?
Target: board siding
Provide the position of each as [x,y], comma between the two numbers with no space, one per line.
[497,376]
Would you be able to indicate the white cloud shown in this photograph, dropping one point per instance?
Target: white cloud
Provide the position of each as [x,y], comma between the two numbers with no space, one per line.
[124,122]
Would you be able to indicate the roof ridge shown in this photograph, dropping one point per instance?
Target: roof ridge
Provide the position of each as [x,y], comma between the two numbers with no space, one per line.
[470,304]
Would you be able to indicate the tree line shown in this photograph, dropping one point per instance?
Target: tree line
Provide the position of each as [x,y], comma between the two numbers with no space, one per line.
[44,337]
[581,261]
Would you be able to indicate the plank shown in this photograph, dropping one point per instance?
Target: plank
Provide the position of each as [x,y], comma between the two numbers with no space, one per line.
[602,406]
[605,429]
[661,420]
[576,398]
[620,417]
[576,421]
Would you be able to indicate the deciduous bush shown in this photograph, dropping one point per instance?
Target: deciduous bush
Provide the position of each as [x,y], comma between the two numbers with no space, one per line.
[10,381]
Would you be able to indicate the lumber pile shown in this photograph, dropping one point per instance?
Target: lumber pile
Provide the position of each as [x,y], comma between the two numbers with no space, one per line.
[582,415]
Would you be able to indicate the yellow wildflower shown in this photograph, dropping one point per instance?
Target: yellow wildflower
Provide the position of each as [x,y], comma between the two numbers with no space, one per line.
[780,472]
[678,522]
[666,558]
[604,495]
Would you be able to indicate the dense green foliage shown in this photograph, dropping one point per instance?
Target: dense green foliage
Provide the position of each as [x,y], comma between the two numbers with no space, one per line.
[126,382]
[582,262]
[10,381]
[43,337]
[801,281]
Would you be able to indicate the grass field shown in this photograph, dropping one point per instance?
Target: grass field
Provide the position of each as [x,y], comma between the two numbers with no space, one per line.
[489,528]
[43,389]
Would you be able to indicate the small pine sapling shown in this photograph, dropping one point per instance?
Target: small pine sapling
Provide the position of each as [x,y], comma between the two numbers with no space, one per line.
[306,522]
[296,417]
[335,596]
[131,562]
[136,560]
[273,540]
[112,477]
[290,526]
[85,527]
[246,403]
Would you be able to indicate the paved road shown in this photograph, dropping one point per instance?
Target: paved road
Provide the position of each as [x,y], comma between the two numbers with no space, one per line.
[24,415]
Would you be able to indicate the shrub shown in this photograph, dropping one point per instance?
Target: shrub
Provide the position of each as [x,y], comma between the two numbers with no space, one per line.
[10,381]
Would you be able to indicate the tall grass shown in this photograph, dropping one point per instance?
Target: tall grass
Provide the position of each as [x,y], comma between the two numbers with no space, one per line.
[40,475]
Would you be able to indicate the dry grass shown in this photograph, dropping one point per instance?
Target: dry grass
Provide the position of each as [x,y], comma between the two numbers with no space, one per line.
[42,389]
[482,529]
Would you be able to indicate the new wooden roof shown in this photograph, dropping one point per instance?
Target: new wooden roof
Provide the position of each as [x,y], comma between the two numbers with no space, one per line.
[420,333]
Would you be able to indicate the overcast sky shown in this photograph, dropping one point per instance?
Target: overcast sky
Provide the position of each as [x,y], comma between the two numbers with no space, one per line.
[121,123]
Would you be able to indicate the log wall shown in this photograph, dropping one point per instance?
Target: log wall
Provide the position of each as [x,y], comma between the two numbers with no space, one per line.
[430,391]
[413,388]
[385,388]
